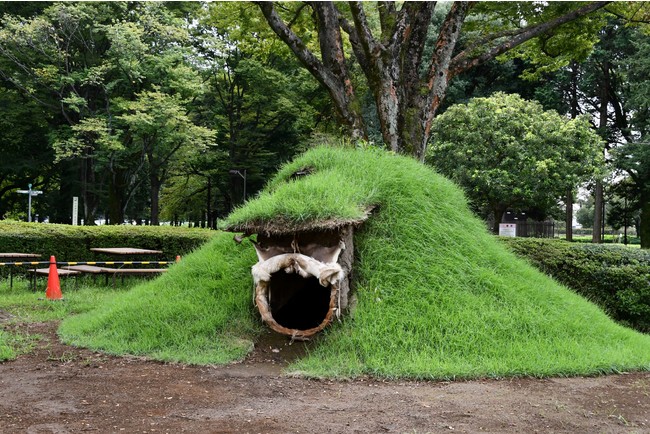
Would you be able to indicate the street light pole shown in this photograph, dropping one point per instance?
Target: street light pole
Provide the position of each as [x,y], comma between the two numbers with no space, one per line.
[29,192]
[29,204]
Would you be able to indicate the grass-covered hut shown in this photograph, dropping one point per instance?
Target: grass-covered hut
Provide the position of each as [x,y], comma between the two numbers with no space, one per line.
[431,293]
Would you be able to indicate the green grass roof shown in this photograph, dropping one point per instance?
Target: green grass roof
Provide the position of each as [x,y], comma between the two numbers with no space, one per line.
[437,296]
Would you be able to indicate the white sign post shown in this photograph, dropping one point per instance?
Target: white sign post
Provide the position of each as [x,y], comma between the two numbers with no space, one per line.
[75,211]
[29,194]
[507,229]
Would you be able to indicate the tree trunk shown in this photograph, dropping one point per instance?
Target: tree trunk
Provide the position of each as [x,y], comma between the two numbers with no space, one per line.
[574,90]
[574,114]
[569,215]
[88,196]
[644,224]
[208,204]
[407,91]
[115,213]
[498,212]
[117,189]
[154,198]
[598,213]
[155,184]
[602,129]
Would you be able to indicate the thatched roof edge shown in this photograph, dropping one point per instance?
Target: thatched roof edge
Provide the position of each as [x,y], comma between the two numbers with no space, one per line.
[282,227]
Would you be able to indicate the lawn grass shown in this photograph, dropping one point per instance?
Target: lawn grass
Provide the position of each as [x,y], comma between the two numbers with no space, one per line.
[23,305]
[437,296]
[6,351]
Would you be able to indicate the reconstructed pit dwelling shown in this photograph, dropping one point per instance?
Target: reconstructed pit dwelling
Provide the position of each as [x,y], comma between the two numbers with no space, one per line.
[302,277]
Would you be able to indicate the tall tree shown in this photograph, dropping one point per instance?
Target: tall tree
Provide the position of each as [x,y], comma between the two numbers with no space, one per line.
[509,153]
[258,99]
[157,124]
[81,62]
[634,157]
[388,45]
[610,88]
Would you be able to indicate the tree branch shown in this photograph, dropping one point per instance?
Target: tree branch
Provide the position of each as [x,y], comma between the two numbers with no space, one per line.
[331,71]
[463,62]
[358,49]
[450,31]
[630,19]
[386,14]
[370,46]
[296,15]
[296,45]
[418,18]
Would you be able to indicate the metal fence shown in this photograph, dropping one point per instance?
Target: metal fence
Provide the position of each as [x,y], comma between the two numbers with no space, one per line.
[536,229]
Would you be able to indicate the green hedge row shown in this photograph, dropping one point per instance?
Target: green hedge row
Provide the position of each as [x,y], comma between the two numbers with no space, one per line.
[614,277]
[73,243]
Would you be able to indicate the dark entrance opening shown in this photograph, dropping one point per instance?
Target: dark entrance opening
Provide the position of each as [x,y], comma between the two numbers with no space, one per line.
[297,302]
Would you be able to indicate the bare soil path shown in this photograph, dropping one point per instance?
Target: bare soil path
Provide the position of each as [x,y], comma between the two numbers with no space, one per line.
[61,389]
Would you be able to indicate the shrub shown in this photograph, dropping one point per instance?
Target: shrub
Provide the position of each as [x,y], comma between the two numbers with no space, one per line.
[72,243]
[615,277]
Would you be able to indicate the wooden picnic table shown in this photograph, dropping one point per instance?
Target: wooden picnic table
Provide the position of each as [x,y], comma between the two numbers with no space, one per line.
[16,257]
[19,255]
[125,251]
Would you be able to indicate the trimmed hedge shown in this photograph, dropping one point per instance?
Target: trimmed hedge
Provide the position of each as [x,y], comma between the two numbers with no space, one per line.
[615,277]
[72,243]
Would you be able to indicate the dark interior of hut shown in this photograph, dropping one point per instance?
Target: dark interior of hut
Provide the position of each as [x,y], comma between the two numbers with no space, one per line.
[297,302]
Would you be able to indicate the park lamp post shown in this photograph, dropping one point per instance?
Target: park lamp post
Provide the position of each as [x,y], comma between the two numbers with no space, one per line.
[29,192]
[238,172]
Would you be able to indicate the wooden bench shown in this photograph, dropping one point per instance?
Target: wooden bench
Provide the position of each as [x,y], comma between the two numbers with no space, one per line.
[87,269]
[130,272]
[108,271]
[46,272]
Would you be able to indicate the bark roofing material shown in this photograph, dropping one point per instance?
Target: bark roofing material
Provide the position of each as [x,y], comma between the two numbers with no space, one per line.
[284,226]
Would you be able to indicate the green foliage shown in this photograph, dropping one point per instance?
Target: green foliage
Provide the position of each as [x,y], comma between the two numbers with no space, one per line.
[71,243]
[24,148]
[507,152]
[548,52]
[585,214]
[261,104]
[118,59]
[616,278]
[614,75]
[200,311]
[437,296]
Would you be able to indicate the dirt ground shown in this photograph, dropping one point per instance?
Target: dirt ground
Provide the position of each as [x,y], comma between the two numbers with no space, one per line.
[60,389]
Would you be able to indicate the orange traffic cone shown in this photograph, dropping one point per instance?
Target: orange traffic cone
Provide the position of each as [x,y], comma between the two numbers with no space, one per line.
[53,291]
[178,258]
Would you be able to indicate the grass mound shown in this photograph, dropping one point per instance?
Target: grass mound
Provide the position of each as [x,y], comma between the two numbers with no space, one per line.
[437,296]
[200,311]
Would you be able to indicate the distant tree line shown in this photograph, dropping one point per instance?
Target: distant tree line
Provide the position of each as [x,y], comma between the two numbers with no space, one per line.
[174,111]
[143,109]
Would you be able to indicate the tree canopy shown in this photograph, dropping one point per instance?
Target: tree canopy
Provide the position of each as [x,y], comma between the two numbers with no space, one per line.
[508,153]
[388,44]
[120,98]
